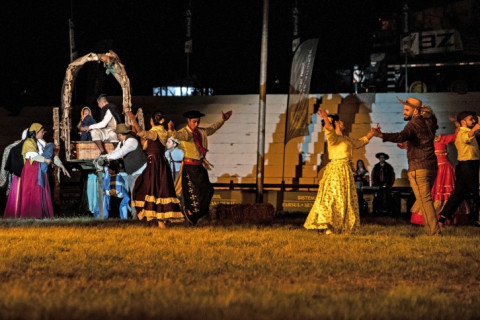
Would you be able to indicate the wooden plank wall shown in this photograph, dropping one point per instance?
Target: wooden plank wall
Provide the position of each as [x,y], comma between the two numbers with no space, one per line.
[233,149]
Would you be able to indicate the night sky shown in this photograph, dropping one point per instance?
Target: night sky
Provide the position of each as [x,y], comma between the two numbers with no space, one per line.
[149,38]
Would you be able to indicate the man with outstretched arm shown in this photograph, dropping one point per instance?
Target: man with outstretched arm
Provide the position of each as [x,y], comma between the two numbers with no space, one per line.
[422,162]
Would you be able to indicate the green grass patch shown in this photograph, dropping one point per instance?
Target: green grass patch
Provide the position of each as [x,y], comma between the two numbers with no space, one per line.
[90,269]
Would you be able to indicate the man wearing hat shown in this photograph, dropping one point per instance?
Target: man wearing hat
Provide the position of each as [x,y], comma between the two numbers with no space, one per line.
[419,133]
[174,156]
[383,177]
[105,129]
[134,158]
[197,191]
[466,171]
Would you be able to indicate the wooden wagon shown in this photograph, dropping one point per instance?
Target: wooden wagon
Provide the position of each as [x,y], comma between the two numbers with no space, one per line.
[84,152]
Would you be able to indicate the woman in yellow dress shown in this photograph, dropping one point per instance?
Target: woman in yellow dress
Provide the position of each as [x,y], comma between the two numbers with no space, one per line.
[335,209]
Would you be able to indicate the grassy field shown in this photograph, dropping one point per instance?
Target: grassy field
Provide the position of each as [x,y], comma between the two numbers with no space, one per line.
[88,269]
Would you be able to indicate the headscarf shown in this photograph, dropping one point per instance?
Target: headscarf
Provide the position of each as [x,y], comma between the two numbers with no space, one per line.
[81,114]
[35,127]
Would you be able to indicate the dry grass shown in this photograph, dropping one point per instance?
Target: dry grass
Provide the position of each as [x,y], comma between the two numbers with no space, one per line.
[87,269]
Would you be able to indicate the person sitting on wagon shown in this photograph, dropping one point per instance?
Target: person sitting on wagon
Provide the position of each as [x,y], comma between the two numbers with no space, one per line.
[105,129]
[86,120]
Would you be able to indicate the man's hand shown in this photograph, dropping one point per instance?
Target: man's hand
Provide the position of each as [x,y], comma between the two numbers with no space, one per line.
[85,128]
[322,113]
[226,115]
[377,132]
[171,126]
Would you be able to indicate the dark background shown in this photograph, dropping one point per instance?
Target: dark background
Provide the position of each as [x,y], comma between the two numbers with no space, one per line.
[149,38]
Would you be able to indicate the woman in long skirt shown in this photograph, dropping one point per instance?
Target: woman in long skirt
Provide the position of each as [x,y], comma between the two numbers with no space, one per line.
[154,195]
[35,200]
[335,209]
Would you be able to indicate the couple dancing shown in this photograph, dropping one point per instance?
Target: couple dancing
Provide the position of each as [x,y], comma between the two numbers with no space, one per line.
[335,209]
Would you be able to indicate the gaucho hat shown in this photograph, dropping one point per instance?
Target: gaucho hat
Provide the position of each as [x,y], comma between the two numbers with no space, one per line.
[412,102]
[192,114]
[386,156]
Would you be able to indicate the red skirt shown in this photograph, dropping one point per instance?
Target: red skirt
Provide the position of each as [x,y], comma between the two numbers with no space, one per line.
[35,202]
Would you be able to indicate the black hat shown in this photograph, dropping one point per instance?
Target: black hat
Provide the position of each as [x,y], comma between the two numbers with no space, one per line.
[378,155]
[462,115]
[193,114]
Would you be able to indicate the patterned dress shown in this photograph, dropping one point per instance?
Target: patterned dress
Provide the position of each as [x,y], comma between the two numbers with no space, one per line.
[336,205]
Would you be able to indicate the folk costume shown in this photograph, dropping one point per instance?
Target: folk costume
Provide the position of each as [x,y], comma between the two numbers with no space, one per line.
[12,165]
[86,121]
[105,129]
[115,189]
[134,158]
[466,174]
[336,205]
[154,195]
[444,183]
[34,195]
[419,132]
[197,191]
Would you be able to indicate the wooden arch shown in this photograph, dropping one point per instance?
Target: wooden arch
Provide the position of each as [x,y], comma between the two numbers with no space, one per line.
[113,65]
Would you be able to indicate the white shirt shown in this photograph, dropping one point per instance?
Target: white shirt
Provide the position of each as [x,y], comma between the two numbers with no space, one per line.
[102,124]
[123,149]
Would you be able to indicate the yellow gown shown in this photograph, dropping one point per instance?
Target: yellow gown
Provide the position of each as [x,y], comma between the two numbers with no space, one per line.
[336,205]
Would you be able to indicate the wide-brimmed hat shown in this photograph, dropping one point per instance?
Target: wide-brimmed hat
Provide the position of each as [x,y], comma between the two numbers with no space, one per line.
[463,114]
[378,155]
[122,129]
[412,102]
[192,114]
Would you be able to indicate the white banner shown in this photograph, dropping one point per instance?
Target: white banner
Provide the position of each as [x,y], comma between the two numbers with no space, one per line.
[429,42]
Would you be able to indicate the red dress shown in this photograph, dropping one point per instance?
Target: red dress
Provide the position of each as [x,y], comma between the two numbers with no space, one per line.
[35,202]
[444,182]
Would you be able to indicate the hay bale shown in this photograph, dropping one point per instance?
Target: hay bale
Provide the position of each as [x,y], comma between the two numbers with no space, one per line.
[258,213]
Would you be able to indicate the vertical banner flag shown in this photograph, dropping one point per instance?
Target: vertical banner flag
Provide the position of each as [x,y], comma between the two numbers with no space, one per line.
[300,76]
[73,49]
[296,32]
[188,33]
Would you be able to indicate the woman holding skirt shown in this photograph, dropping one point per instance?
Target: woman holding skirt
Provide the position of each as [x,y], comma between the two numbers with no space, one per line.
[335,209]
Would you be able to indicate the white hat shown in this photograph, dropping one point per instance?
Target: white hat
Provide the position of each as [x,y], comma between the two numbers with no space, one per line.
[174,140]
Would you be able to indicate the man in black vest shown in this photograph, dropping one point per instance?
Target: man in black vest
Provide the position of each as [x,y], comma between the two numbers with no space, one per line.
[105,129]
[134,158]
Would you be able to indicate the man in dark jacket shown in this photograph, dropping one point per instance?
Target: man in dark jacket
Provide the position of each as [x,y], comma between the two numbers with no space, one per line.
[422,162]
[383,177]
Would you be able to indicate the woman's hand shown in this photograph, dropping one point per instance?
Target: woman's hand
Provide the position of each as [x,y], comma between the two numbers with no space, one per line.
[65,171]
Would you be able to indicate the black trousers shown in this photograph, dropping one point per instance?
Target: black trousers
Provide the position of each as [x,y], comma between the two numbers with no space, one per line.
[466,188]
[197,190]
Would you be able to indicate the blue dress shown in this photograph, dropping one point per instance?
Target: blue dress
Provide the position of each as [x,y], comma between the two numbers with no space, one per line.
[87,121]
